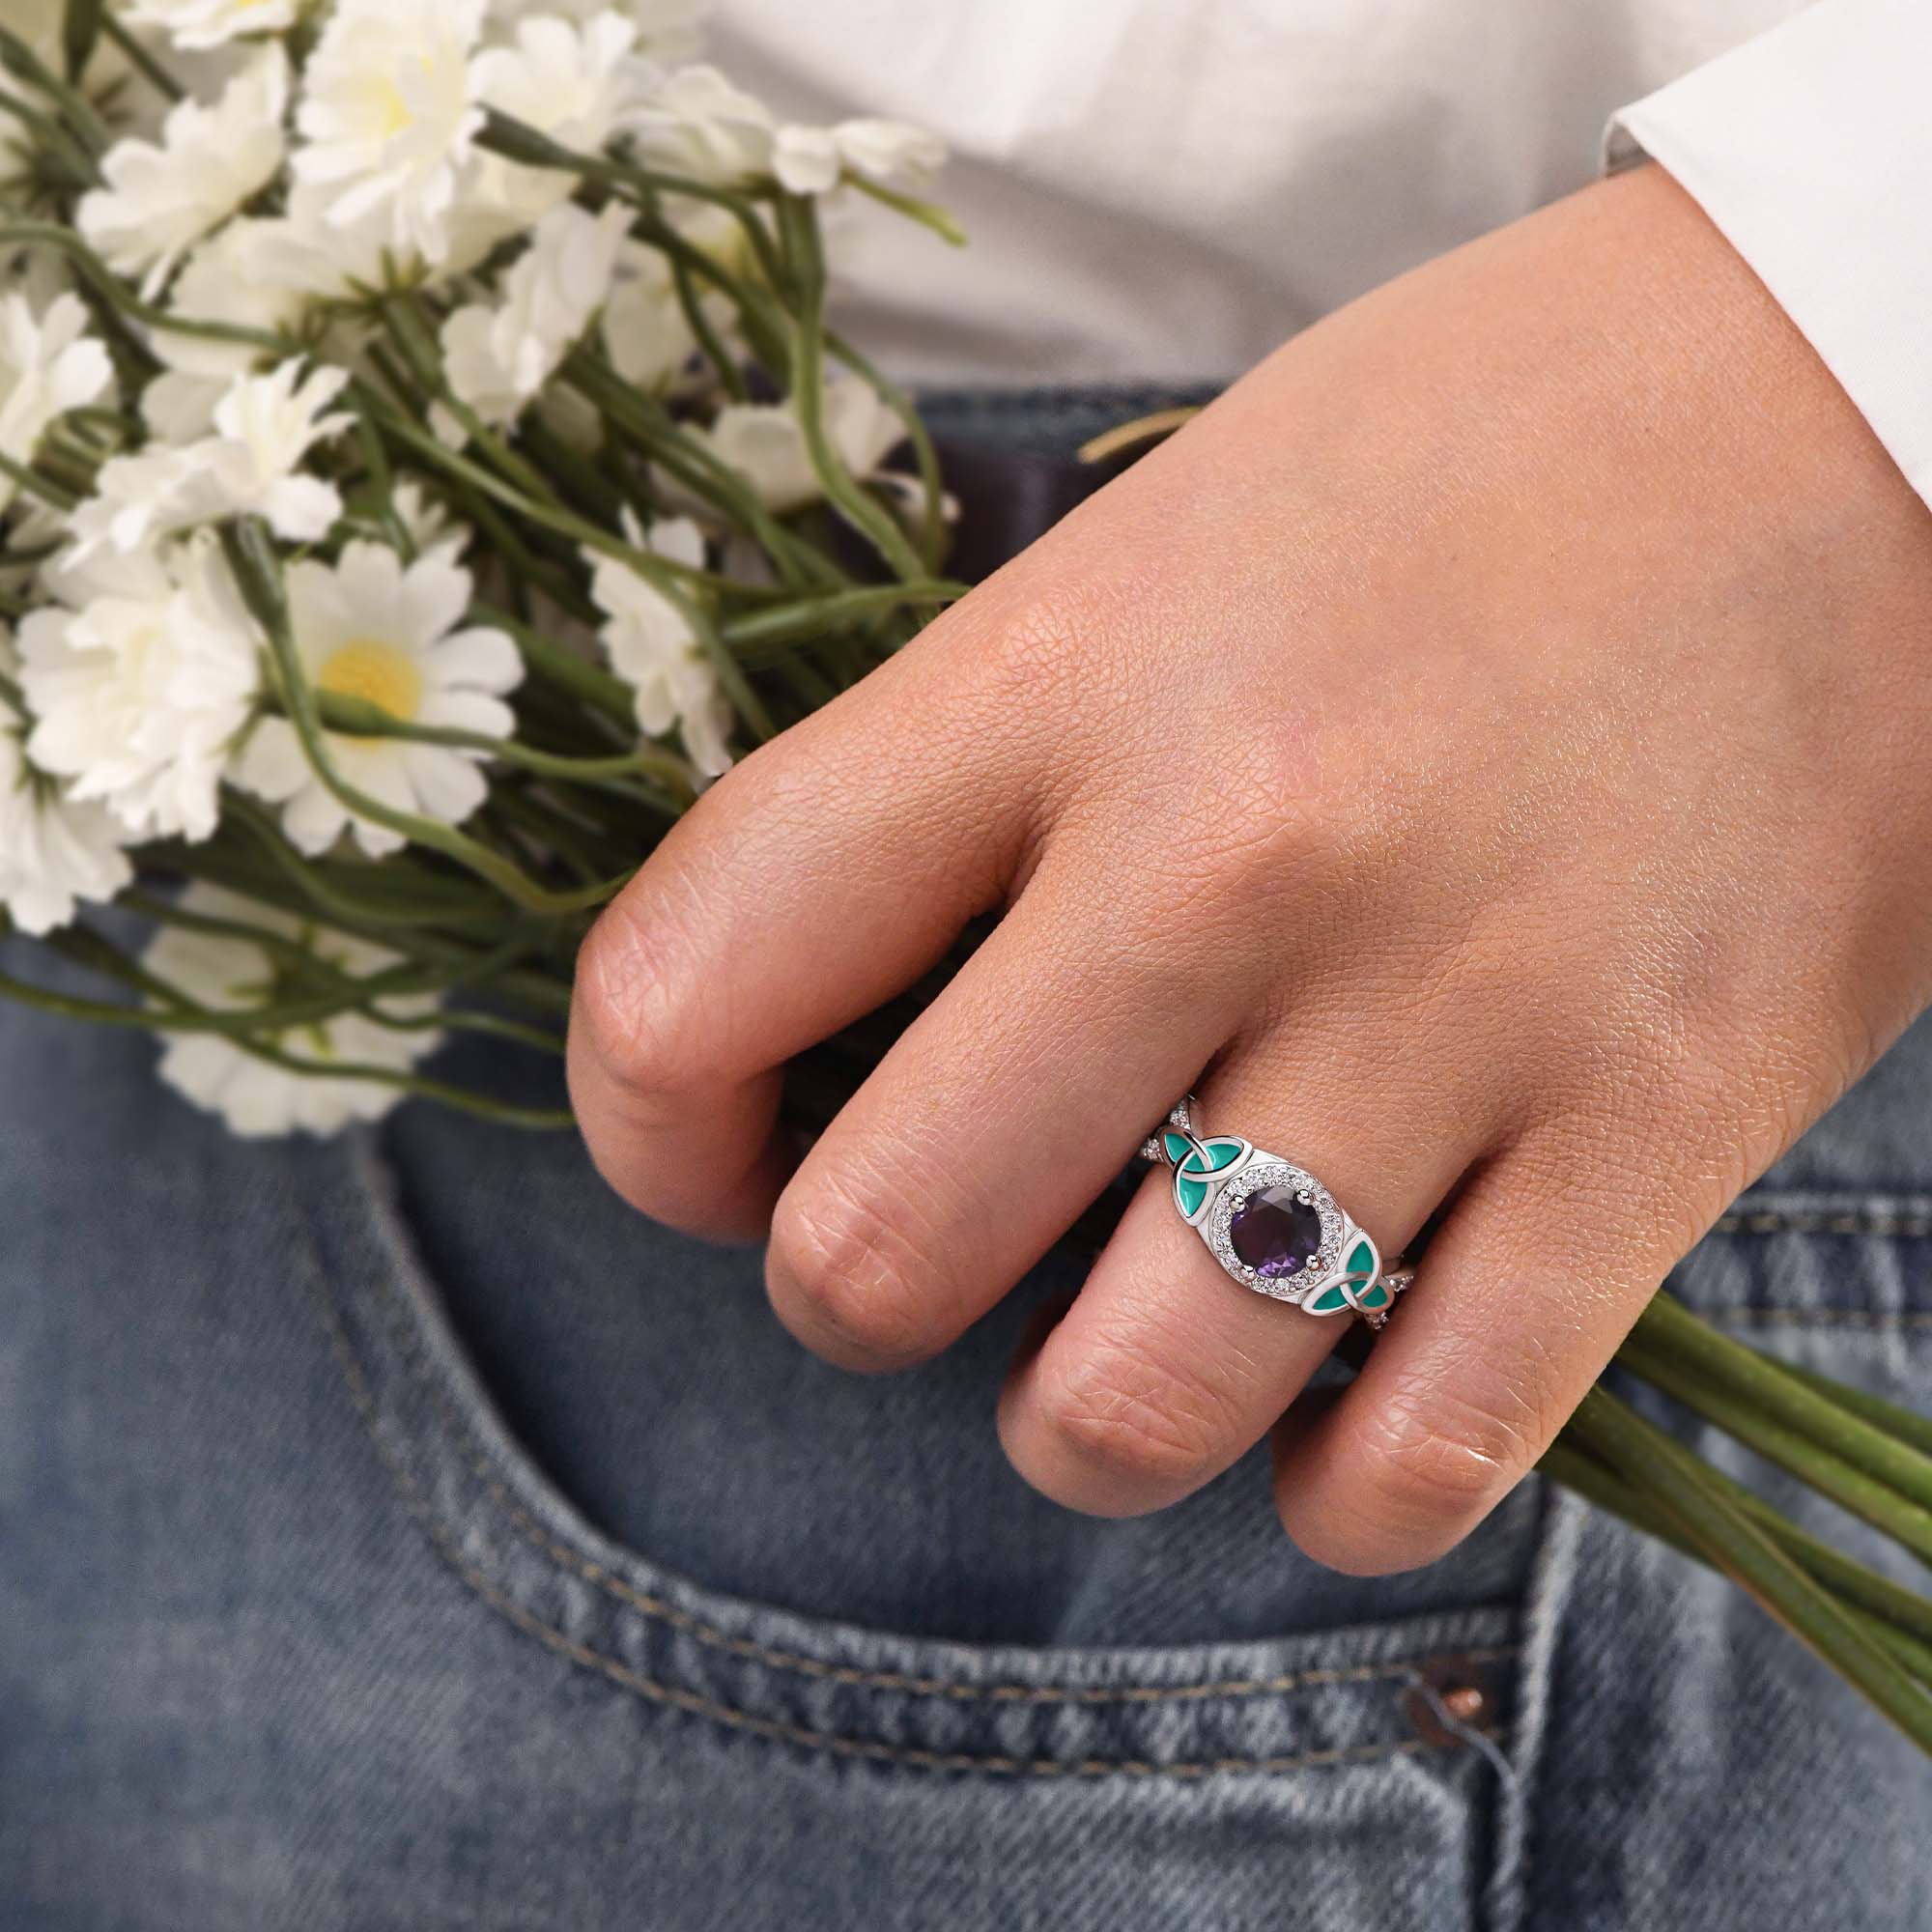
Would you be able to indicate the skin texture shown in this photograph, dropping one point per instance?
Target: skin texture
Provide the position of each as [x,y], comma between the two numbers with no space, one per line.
[1489,741]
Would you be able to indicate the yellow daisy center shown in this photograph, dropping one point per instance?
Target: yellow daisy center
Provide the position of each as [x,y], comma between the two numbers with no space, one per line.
[378,673]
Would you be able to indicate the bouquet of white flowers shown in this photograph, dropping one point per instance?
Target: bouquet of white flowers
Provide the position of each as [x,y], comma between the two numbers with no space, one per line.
[423,459]
[424,463]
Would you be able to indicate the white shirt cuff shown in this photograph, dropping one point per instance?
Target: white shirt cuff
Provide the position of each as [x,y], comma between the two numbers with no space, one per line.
[1810,149]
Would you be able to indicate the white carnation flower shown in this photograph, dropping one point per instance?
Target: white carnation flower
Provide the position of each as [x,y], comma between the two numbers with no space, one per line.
[257,1097]
[814,160]
[212,23]
[162,198]
[264,428]
[497,358]
[371,628]
[139,679]
[53,852]
[48,365]
[653,648]
[389,115]
[697,124]
[765,443]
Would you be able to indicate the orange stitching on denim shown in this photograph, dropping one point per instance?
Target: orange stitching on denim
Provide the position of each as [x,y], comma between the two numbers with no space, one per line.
[661,1610]
[671,1698]
[1880,1222]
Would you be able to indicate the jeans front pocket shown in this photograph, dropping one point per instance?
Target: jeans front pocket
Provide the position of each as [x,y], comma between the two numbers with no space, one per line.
[748,1765]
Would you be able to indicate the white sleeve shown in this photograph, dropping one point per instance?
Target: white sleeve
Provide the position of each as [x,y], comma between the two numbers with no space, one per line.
[1811,148]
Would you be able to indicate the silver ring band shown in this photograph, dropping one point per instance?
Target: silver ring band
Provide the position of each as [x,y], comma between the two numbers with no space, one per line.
[1272,1225]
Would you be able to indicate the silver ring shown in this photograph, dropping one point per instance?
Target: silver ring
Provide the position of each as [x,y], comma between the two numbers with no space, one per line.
[1272,1225]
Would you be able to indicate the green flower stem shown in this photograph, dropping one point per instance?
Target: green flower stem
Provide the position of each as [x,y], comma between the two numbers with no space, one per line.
[258,572]
[589,850]
[517,141]
[667,578]
[1669,1328]
[928,213]
[935,539]
[82,948]
[112,289]
[409,331]
[77,110]
[648,424]
[140,59]
[590,491]
[406,895]
[38,485]
[358,718]
[57,145]
[299,887]
[1574,1469]
[543,1119]
[763,318]
[759,632]
[588,683]
[721,358]
[1739,1416]
[1857,1582]
[1654,1463]
[1904,1424]
[302,960]
[798,224]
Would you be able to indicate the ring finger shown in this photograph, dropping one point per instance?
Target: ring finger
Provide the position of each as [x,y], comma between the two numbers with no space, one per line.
[1166,1370]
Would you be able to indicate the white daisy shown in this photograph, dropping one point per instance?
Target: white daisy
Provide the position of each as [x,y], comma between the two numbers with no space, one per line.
[389,114]
[53,851]
[697,124]
[653,648]
[265,426]
[370,627]
[48,365]
[571,81]
[162,198]
[257,1097]
[139,680]
[212,23]
[765,443]
[498,356]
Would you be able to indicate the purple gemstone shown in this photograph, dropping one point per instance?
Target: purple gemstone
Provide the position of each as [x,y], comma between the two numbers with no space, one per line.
[1273,1232]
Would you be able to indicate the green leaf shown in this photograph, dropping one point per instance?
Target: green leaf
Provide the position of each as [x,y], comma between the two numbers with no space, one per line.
[80,30]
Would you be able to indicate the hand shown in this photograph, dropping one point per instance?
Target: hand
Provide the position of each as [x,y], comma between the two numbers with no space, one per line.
[1492,738]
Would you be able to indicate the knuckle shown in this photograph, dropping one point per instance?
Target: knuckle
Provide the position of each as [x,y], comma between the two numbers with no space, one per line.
[1135,1425]
[1435,1458]
[851,1285]
[628,1001]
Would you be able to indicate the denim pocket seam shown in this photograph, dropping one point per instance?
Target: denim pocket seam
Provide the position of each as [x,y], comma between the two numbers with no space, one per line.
[675,1697]
[659,1610]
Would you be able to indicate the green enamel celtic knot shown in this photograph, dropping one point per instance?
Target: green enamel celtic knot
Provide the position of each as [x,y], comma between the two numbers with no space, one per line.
[1271,1224]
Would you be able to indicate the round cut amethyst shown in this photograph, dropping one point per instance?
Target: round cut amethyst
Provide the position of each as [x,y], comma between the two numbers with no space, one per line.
[1273,1232]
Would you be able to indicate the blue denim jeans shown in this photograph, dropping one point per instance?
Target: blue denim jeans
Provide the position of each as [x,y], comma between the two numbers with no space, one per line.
[397,1533]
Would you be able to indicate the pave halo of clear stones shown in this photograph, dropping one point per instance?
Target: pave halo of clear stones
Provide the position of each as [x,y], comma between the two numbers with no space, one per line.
[1262,1172]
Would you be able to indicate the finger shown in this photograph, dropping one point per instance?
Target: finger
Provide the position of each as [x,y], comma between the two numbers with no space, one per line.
[993,1122]
[812,884]
[1167,1370]
[1517,1305]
